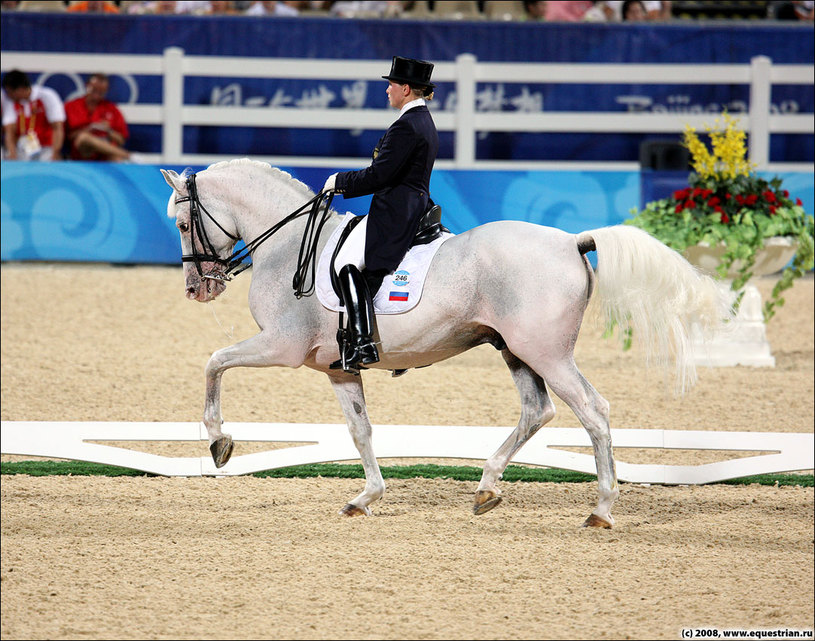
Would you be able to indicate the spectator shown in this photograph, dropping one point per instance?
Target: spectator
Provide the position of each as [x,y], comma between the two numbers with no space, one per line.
[657,10]
[34,122]
[633,11]
[221,8]
[608,11]
[791,10]
[534,10]
[152,7]
[93,6]
[569,11]
[266,8]
[96,128]
[198,7]
[370,9]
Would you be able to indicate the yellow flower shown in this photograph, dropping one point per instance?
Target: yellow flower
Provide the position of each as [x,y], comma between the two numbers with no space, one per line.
[728,158]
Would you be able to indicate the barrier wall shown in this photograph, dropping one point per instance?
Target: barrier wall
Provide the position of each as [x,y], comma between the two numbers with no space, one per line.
[280,40]
[100,212]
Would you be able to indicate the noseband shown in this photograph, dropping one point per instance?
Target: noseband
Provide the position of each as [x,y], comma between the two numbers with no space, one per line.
[317,208]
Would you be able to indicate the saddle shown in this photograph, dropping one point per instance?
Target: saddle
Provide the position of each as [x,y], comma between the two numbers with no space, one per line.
[429,229]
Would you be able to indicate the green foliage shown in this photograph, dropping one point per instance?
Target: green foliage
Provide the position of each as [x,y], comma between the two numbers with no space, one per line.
[513,473]
[738,213]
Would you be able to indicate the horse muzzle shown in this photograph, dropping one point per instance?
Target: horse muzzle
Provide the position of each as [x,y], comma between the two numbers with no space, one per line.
[207,287]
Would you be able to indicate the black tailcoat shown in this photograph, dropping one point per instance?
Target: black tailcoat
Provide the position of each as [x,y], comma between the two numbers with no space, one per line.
[399,178]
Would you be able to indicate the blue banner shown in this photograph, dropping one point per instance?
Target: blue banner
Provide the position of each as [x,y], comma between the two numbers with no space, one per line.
[100,212]
[439,41]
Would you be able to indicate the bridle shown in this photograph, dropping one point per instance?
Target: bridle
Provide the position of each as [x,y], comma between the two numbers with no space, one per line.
[317,208]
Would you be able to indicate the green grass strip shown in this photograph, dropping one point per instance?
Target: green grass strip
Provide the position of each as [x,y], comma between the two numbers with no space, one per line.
[513,473]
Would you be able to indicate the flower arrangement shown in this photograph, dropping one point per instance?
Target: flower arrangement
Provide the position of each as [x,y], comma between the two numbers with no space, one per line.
[727,204]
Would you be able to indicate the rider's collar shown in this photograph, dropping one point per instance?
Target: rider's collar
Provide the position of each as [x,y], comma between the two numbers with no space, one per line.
[419,102]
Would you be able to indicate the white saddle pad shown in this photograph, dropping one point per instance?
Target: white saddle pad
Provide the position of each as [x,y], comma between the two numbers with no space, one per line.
[400,291]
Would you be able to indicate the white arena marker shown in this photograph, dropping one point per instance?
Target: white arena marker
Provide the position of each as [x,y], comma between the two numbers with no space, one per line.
[68,440]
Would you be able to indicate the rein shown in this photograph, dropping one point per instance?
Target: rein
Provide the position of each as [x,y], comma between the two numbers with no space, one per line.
[318,211]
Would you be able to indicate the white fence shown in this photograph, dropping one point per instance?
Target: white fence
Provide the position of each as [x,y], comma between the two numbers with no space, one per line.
[315,443]
[465,120]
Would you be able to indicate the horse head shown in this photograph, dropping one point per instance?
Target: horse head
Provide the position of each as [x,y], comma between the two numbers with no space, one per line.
[206,240]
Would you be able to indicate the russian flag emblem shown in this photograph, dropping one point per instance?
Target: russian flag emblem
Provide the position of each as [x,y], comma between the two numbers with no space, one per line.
[399,296]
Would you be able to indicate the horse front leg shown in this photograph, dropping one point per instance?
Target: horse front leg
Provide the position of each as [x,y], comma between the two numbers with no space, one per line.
[350,394]
[537,409]
[256,351]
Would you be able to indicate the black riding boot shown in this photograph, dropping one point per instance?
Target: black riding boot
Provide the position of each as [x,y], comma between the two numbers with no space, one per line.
[356,342]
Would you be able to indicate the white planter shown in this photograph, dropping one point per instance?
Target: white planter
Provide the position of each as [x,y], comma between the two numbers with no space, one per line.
[778,251]
[745,340]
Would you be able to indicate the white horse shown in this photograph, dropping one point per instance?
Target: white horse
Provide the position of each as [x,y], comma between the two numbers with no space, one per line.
[520,286]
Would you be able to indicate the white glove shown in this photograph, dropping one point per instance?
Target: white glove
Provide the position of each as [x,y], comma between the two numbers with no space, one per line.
[329,184]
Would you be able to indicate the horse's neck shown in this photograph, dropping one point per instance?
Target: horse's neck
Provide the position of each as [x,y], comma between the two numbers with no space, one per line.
[265,208]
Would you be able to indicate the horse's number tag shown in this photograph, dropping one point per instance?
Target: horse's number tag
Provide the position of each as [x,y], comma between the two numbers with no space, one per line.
[401,278]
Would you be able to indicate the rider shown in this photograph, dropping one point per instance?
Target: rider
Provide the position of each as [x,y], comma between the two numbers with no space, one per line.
[399,178]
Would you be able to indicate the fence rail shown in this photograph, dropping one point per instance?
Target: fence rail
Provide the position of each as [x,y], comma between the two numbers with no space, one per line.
[466,72]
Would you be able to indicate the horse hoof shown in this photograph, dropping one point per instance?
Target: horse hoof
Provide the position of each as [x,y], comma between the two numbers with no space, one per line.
[596,521]
[354,510]
[485,500]
[221,450]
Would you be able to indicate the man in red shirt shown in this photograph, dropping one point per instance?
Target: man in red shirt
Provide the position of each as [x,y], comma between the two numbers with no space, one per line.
[96,128]
[33,120]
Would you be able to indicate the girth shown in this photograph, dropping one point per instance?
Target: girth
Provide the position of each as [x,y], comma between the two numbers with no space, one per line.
[429,229]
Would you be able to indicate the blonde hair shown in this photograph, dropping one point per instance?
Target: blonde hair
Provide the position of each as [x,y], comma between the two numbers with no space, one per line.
[419,92]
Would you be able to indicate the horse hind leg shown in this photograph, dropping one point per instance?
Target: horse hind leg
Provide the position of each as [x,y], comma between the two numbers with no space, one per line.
[537,409]
[352,400]
[592,410]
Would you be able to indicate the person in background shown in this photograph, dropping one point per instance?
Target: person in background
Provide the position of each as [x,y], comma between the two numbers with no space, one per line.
[656,10]
[274,8]
[152,7]
[33,120]
[534,10]
[399,179]
[569,11]
[96,129]
[93,6]
[633,11]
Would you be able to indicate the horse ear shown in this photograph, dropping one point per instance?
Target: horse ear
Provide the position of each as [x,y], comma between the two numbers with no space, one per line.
[173,179]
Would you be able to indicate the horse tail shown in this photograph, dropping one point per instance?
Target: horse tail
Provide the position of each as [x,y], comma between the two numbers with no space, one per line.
[649,288]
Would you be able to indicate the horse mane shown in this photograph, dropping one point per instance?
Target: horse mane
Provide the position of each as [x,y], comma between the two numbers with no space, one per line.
[273,172]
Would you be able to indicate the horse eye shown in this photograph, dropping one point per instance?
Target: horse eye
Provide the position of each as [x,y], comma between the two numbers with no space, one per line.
[183,227]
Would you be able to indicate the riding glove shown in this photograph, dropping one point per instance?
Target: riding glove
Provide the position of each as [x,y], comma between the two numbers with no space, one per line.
[329,184]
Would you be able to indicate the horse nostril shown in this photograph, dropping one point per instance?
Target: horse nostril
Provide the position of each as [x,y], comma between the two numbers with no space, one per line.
[190,291]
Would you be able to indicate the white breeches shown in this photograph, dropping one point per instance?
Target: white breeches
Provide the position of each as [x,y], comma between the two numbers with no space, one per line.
[353,250]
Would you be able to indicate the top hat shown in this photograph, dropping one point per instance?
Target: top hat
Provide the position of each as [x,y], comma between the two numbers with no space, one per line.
[415,73]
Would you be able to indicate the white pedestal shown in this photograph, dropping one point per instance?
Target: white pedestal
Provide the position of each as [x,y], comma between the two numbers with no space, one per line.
[744,342]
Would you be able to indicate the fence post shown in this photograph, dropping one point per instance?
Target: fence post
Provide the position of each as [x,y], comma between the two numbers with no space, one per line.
[465,110]
[173,85]
[760,111]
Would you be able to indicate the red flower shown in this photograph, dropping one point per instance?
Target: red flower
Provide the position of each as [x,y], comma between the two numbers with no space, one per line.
[786,194]
[772,210]
[751,199]
[714,201]
[739,199]
[728,197]
[798,202]
[707,193]
[769,196]
[682,194]
[679,208]
[697,191]
[725,218]
[689,204]
[718,209]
